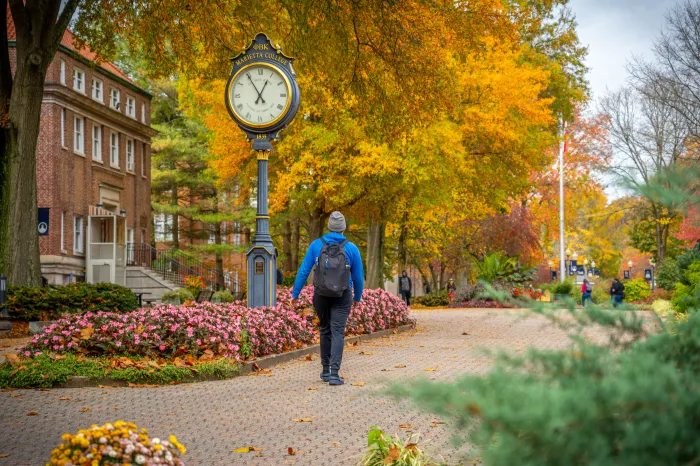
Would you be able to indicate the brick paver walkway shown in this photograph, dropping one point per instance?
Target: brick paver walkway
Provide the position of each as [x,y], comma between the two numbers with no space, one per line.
[212,419]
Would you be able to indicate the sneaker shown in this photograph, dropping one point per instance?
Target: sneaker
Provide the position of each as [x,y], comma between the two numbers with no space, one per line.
[325,376]
[335,380]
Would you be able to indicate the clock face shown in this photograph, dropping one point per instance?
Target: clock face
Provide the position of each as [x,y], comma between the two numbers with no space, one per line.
[259,95]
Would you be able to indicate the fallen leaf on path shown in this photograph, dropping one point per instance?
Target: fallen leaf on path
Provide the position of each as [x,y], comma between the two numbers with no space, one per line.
[256,367]
[85,410]
[358,384]
[400,366]
[32,413]
[366,353]
[355,343]
[15,395]
[309,357]
[405,426]
[290,451]
[386,370]
[4,455]
[465,333]
[311,388]
[335,443]
[303,419]
[246,449]
[431,369]
[64,398]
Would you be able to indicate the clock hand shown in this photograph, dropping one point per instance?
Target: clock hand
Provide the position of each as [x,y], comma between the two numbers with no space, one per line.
[254,87]
[260,93]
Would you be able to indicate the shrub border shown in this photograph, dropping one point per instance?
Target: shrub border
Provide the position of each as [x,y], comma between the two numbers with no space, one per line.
[264,362]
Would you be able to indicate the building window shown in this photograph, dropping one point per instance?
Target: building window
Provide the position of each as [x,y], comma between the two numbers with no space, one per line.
[143,160]
[114,150]
[143,113]
[97,142]
[63,127]
[78,235]
[63,72]
[63,226]
[79,80]
[131,106]
[130,155]
[97,92]
[163,227]
[212,235]
[114,98]
[79,139]
[236,234]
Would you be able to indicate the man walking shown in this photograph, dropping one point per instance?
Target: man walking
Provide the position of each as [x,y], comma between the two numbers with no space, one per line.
[405,287]
[338,277]
[617,291]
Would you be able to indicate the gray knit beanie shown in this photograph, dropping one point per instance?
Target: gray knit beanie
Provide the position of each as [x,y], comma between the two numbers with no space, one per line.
[336,222]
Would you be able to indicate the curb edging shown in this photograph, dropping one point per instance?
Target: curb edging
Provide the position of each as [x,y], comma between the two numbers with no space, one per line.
[265,362]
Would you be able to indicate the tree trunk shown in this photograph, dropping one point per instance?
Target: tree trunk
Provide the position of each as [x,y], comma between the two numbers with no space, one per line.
[433,278]
[375,255]
[295,244]
[287,244]
[176,218]
[403,236]
[316,224]
[220,282]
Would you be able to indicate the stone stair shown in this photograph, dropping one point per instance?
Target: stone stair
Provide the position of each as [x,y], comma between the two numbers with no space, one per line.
[147,281]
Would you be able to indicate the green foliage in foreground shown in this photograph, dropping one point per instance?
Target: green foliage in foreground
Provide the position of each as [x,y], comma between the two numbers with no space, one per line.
[687,295]
[629,401]
[45,372]
[382,449]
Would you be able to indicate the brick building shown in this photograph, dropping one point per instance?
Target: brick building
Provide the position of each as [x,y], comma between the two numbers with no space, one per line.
[93,164]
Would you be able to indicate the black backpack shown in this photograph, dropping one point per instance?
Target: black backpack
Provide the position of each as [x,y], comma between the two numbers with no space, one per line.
[332,276]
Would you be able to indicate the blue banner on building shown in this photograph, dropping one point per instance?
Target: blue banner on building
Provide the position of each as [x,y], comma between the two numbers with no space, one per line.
[43,227]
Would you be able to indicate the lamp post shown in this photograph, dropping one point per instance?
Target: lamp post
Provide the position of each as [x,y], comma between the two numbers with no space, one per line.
[551,265]
[652,262]
[585,266]
[574,258]
[629,265]
[593,266]
[566,262]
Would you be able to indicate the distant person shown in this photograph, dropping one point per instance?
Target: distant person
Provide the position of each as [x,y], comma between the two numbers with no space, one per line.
[586,290]
[338,275]
[427,288]
[405,287]
[617,291]
[451,289]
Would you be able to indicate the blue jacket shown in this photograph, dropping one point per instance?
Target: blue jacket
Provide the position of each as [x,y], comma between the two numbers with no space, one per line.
[352,254]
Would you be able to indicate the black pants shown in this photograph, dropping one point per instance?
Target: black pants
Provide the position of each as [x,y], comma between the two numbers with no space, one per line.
[406,295]
[333,315]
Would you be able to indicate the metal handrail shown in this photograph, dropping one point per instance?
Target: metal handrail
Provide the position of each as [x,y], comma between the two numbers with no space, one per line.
[174,265]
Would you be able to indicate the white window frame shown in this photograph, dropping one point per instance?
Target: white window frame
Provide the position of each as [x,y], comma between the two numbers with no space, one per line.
[115,98]
[163,227]
[63,128]
[62,72]
[114,149]
[143,160]
[63,231]
[130,106]
[130,155]
[143,112]
[98,92]
[78,234]
[212,235]
[79,135]
[79,80]
[97,142]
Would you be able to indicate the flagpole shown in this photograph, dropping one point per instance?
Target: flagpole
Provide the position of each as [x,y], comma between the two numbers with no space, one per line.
[562,246]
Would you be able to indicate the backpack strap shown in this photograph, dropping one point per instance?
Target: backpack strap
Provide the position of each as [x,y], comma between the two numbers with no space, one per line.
[323,241]
[343,243]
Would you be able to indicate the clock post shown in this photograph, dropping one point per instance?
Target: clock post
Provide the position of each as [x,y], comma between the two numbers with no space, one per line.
[262,97]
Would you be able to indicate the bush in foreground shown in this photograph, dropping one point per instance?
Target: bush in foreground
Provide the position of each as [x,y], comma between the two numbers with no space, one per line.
[47,303]
[630,401]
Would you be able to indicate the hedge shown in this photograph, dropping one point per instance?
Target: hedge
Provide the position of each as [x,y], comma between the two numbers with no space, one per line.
[50,302]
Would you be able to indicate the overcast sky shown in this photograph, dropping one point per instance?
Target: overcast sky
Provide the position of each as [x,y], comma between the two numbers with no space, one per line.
[614,31]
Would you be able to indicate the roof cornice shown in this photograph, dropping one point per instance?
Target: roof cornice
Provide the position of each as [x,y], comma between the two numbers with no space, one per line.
[73,54]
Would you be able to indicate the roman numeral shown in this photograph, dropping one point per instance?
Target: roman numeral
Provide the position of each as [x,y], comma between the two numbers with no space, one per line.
[280,106]
[279,83]
[283,95]
[237,96]
[259,119]
[239,106]
[271,115]
[239,83]
[271,74]
[247,116]
[260,71]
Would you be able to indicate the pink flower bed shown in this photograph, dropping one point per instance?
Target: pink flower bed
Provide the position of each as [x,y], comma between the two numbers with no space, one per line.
[229,330]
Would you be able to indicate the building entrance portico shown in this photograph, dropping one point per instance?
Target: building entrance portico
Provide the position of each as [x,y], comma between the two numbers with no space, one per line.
[106,251]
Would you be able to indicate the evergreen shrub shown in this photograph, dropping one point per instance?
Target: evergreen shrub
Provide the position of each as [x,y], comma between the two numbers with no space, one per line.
[438,299]
[630,400]
[50,302]
[668,274]
[636,290]
[687,294]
